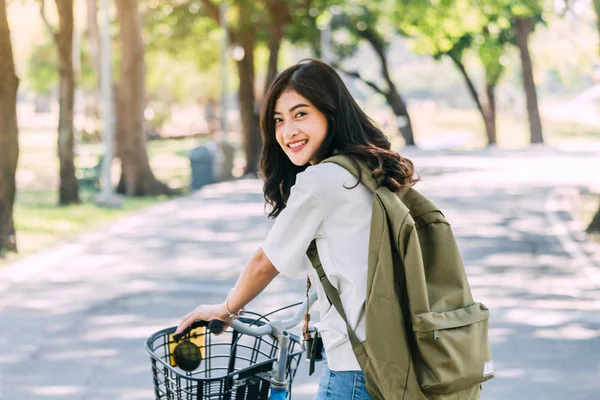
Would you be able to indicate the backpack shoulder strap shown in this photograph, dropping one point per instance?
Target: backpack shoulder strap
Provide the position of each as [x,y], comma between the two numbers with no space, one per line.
[366,174]
[332,294]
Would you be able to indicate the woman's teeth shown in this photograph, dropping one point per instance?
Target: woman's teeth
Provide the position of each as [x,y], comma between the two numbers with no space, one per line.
[295,145]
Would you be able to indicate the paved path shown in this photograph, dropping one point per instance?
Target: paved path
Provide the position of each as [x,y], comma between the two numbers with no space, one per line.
[73,320]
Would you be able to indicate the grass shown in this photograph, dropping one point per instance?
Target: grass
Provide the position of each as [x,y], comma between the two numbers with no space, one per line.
[41,223]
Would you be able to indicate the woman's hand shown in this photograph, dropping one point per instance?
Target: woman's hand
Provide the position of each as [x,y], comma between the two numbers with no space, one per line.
[206,313]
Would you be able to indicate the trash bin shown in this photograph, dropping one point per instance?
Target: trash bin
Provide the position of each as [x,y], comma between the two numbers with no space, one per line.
[201,162]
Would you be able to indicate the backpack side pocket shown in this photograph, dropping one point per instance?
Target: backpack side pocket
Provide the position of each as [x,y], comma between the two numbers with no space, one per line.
[453,348]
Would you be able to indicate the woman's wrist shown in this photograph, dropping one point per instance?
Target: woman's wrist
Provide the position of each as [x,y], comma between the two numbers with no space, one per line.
[232,312]
[222,312]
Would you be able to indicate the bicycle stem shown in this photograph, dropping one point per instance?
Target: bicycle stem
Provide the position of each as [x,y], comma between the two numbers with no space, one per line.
[279,380]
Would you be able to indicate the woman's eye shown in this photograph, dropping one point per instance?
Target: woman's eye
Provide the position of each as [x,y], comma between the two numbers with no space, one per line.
[277,120]
[301,114]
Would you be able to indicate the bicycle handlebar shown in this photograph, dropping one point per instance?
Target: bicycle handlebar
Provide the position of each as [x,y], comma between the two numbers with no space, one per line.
[268,328]
[214,326]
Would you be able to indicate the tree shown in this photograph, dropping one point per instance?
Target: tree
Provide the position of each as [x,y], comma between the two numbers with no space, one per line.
[524,25]
[243,33]
[137,178]
[524,16]
[495,35]
[364,25]
[9,142]
[68,187]
[250,24]
[451,29]
[279,17]
[92,34]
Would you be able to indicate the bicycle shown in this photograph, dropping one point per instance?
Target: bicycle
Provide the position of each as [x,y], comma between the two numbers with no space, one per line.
[252,360]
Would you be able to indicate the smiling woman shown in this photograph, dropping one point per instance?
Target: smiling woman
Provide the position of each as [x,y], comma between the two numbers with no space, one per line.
[308,116]
[300,128]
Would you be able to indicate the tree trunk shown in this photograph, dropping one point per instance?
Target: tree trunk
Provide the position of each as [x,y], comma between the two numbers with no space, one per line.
[245,36]
[9,141]
[249,118]
[597,9]
[137,178]
[401,112]
[524,26]
[279,15]
[393,97]
[274,46]
[68,187]
[489,114]
[594,226]
[93,35]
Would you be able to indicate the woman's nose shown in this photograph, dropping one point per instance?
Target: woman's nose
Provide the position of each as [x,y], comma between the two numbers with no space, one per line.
[290,129]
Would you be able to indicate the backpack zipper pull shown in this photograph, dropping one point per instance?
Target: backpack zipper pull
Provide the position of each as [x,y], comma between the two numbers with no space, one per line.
[436,335]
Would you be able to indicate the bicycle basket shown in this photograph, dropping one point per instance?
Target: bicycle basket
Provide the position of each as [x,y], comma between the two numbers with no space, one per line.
[234,365]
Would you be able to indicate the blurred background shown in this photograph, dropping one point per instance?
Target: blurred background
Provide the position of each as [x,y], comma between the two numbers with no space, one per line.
[113,114]
[183,74]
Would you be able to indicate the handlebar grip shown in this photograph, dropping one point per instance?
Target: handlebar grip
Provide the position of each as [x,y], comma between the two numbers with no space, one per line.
[215,326]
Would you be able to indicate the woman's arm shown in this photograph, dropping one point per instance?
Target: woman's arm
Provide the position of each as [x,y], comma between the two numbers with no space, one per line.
[254,279]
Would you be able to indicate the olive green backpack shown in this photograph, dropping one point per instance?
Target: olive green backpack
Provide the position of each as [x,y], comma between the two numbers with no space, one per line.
[425,336]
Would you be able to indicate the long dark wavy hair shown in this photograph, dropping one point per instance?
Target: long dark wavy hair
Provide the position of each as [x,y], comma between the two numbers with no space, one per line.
[349,132]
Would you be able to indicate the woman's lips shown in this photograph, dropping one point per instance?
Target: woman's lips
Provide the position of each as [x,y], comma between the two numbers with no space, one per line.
[297,149]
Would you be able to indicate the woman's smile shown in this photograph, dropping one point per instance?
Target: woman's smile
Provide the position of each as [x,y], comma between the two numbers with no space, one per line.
[295,147]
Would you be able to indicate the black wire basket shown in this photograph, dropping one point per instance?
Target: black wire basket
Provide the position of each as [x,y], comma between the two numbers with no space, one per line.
[233,366]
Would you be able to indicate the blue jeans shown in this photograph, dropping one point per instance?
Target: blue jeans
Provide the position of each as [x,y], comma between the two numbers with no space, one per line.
[341,385]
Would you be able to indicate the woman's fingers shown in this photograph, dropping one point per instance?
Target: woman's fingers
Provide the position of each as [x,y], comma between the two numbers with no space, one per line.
[189,319]
[182,325]
[205,313]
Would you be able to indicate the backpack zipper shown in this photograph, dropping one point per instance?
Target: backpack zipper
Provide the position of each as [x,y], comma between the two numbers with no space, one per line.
[436,335]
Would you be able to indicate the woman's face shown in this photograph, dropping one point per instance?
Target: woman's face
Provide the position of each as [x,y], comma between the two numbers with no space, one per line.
[300,128]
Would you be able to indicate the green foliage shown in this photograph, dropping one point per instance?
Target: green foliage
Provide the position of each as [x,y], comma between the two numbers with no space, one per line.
[308,19]
[453,27]
[42,67]
[184,31]
[172,79]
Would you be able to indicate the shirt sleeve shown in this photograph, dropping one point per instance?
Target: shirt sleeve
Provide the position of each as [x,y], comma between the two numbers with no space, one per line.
[293,231]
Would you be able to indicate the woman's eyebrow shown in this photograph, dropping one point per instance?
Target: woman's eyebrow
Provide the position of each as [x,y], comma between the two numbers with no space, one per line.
[293,108]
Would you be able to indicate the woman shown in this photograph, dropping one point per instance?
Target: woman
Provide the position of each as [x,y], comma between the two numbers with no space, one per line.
[308,116]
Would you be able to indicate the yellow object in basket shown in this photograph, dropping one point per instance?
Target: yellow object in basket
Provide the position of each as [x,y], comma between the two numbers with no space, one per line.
[196,336]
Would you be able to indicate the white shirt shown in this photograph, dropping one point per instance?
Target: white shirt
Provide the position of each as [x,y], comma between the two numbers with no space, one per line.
[319,207]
